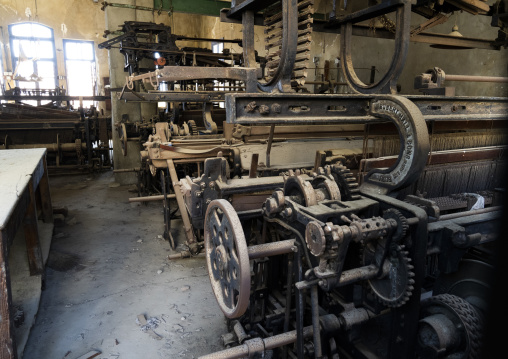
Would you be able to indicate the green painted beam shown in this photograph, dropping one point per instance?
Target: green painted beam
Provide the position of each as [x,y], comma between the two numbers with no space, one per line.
[202,7]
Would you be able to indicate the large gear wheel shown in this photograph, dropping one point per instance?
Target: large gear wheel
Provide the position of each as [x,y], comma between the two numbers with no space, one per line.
[346,181]
[450,326]
[395,288]
[402,225]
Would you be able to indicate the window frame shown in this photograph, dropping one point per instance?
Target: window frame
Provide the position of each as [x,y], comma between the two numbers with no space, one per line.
[15,60]
[92,61]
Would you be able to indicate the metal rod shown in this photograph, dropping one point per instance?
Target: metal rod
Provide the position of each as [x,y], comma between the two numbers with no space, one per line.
[159,197]
[471,78]
[315,322]
[185,254]
[299,303]
[470,213]
[287,313]
[127,6]
[269,146]
[137,169]
[269,343]
[271,249]
[358,274]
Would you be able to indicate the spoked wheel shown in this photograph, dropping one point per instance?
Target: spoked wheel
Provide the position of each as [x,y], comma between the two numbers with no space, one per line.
[167,213]
[227,258]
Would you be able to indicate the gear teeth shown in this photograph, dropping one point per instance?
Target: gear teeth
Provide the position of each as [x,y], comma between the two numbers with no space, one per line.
[346,181]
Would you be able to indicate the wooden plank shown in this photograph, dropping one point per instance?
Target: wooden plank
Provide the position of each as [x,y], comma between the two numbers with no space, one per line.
[189,234]
[17,167]
[89,355]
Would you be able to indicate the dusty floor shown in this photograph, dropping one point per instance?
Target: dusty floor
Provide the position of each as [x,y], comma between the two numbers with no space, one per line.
[108,264]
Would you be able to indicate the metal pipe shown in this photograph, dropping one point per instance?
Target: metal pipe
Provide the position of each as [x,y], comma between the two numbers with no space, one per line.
[240,332]
[347,277]
[137,169]
[271,249]
[287,313]
[269,145]
[469,213]
[333,83]
[269,343]
[299,306]
[314,302]
[358,274]
[151,198]
[185,254]
[472,78]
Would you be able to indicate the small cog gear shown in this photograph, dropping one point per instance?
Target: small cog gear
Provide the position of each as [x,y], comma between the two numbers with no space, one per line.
[346,181]
[395,288]
[402,224]
[192,127]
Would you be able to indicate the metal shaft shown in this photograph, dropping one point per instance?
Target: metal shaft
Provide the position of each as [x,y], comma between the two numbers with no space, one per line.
[247,349]
[271,249]
[471,78]
[159,197]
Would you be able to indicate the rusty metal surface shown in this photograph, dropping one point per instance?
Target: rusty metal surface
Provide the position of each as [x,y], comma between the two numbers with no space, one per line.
[388,83]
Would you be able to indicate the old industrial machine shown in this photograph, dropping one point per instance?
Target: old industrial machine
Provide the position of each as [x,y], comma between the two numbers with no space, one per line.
[76,140]
[395,263]
[382,248]
[327,268]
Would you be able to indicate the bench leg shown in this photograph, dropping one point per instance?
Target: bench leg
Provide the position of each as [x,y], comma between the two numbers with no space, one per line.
[8,348]
[46,207]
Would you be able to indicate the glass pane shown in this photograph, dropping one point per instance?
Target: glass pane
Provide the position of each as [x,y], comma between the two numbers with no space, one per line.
[87,51]
[79,50]
[46,71]
[23,48]
[44,49]
[71,51]
[24,69]
[79,78]
[30,29]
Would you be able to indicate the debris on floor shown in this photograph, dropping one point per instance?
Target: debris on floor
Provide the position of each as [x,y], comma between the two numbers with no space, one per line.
[91,354]
[147,326]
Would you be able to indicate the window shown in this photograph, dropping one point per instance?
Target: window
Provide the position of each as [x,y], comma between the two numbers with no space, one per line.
[80,69]
[2,80]
[218,48]
[33,56]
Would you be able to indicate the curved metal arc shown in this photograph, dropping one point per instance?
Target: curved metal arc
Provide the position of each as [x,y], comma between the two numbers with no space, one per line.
[414,150]
[281,80]
[389,81]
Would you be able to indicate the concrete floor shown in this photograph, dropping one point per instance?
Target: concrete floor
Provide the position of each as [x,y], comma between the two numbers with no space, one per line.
[108,264]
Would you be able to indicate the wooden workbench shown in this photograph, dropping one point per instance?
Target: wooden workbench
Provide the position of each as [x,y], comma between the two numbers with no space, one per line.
[24,192]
